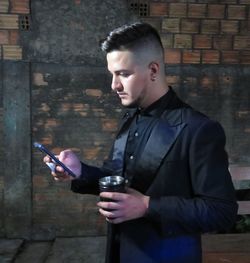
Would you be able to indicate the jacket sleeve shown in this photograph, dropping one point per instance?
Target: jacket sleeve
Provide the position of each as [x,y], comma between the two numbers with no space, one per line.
[213,206]
[88,181]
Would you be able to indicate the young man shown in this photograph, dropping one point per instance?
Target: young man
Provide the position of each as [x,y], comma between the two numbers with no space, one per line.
[171,156]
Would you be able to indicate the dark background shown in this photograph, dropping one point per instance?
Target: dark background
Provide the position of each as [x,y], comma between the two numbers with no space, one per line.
[55,89]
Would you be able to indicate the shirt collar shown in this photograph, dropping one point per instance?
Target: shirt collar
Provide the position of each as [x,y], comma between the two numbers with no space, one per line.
[157,107]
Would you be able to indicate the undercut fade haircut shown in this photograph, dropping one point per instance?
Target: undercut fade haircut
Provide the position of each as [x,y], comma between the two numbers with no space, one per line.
[132,37]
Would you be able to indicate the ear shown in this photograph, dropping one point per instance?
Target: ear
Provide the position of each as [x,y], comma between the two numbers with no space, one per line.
[154,70]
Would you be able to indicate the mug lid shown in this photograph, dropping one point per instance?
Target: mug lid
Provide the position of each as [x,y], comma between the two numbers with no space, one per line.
[111,180]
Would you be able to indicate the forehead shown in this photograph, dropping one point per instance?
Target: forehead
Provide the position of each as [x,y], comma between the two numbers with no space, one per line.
[118,60]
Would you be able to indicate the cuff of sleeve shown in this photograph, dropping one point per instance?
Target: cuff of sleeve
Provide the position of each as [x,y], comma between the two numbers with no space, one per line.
[153,211]
[83,175]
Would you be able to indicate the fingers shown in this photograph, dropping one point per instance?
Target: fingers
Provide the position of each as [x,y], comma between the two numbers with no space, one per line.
[112,210]
[109,206]
[63,155]
[112,216]
[47,159]
[62,177]
[123,206]
[113,195]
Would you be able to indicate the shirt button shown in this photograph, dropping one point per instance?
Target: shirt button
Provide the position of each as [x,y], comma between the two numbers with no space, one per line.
[126,181]
[131,157]
[136,134]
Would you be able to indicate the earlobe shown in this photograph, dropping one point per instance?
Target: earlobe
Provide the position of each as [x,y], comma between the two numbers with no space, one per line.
[153,77]
[154,69]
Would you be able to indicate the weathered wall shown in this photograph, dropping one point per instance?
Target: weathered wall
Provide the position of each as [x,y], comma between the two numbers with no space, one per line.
[222,93]
[17,147]
[1,153]
[207,55]
[69,32]
[72,108]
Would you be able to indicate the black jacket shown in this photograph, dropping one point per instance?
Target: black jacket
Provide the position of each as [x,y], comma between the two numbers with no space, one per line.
[184,168]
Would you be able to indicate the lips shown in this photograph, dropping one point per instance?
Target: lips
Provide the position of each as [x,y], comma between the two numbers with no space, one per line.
[122,94]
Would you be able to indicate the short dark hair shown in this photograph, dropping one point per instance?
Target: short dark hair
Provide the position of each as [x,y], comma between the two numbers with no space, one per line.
[129,37]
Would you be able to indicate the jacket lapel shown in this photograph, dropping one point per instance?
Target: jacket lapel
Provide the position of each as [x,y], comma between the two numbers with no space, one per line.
[160,142]
[120,144]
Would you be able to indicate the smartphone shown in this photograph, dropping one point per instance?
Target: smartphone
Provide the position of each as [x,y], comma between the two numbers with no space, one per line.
[43,149]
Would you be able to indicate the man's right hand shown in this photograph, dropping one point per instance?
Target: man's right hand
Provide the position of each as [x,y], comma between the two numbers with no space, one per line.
[70,159]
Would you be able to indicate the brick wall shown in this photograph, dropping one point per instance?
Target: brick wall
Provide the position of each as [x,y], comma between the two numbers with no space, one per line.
[1,154]
[208,64]
[13,14]
[206,33]
[203,32]
[84,119]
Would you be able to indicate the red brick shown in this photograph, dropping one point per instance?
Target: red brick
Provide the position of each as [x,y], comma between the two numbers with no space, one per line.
[8,21]
[51,123]
[4,37]
[190,25]
[237,12]
[228,1]
[216,11]
[177,10]
[245,27]
[167,40]
[39,80]
[12,52]
[109,125]
[173,80]
[210,27]
[231,27]
[77,2]
[245,57]
[79,108]
[197,10]
[93,92]
[191,56]
[91,153]
[242,42]
[14,37]
[171,25]
[40,181]
[210,57]
[207,82]
[20,6]
[154,22]
[158,9]
[172,56]
[240,172]
[4,6]
[182,41]
[202,41]
[222,42]
[230,57]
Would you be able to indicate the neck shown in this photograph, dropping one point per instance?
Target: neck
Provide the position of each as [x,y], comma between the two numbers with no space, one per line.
[158,89]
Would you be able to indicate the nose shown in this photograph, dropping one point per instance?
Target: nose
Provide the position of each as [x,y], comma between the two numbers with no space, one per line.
[116,83]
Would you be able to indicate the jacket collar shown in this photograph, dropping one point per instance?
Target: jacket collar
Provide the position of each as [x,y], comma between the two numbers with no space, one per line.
[169,101]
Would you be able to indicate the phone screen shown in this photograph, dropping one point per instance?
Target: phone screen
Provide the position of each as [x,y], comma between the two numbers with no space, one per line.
[43,149]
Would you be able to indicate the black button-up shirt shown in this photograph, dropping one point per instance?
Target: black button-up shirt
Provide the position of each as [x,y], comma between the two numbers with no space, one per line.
[139,132]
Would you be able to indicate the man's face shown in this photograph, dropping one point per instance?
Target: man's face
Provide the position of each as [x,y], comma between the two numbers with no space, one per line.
[130,78]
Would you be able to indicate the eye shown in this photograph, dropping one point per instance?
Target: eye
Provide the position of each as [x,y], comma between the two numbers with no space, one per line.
[124,74]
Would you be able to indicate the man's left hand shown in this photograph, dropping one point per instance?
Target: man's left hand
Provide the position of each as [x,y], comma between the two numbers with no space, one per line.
[124,206]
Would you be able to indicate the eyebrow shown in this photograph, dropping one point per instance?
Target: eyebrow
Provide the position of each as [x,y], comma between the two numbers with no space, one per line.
[119,71]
